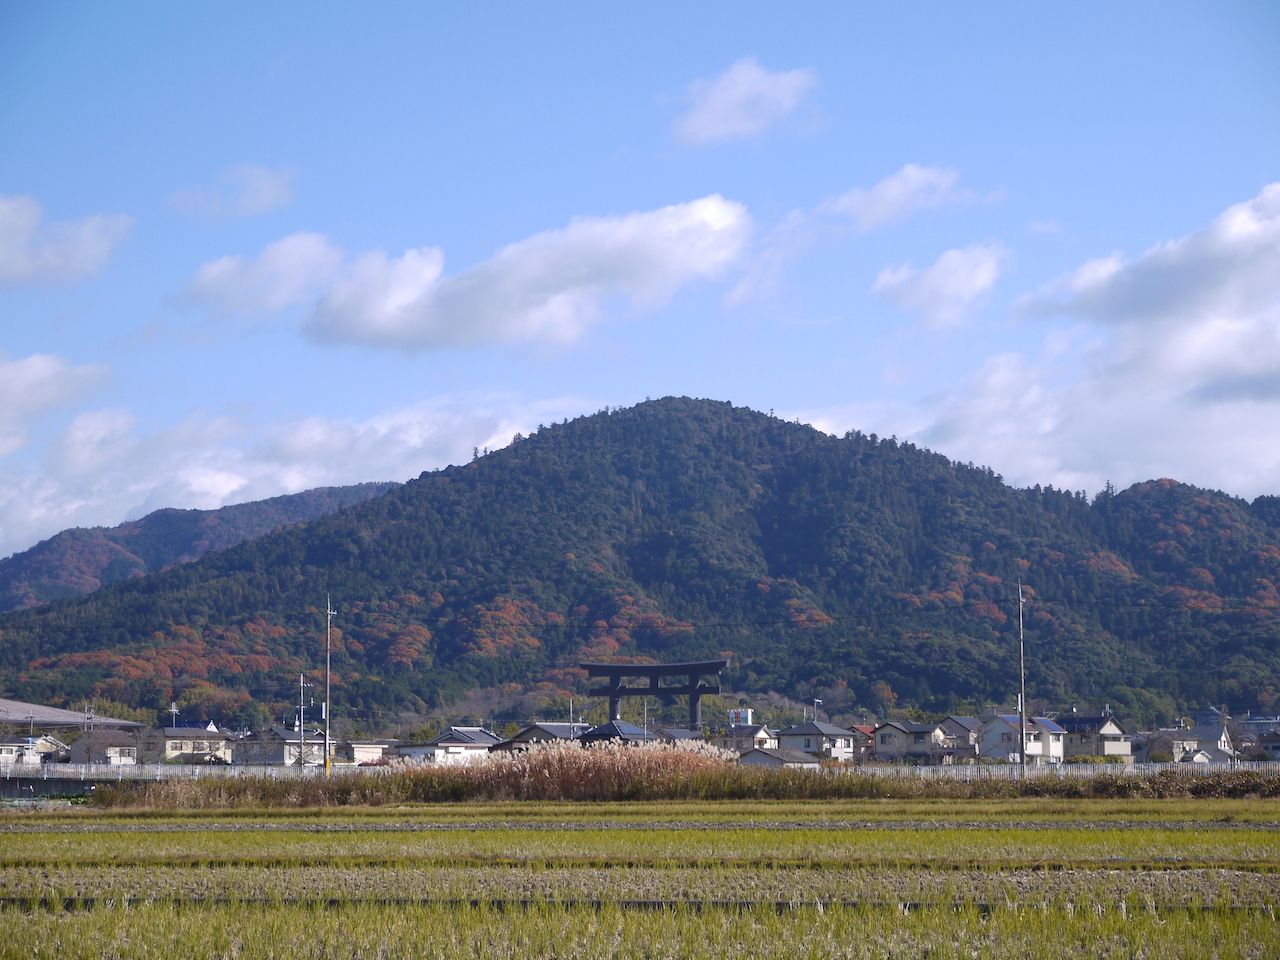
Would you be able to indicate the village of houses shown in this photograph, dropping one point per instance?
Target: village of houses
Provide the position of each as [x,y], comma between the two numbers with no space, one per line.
[1211,737]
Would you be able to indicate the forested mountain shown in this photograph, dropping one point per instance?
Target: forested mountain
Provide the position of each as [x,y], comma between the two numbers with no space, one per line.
[79,561]
[857,569]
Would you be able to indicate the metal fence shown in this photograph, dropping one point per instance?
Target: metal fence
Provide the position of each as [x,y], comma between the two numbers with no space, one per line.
[166,771]
[101,772]
[1060,771]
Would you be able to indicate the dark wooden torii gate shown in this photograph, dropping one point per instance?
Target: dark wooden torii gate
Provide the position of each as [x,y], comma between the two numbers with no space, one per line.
[615,675]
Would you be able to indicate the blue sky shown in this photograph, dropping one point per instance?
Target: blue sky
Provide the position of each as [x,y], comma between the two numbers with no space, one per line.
[248,251]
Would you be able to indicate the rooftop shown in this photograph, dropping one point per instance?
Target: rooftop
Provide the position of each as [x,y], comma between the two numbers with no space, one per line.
[816,728]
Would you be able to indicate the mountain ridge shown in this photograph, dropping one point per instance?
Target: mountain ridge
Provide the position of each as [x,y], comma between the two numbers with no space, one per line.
[76,561]
[867,572]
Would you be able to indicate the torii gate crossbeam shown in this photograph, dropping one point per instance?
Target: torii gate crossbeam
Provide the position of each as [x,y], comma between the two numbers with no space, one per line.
[616,675]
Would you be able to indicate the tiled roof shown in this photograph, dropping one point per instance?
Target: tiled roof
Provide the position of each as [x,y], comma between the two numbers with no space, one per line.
[747,730]
[1049,725]
[466,736]
[617,730]
[1080,723]
[290,735]
[816,728]
[553,730]
[910,727]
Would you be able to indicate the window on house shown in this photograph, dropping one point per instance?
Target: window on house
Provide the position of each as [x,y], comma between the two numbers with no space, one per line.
[807,743]
[1006,737]
[884,738]
[918,737]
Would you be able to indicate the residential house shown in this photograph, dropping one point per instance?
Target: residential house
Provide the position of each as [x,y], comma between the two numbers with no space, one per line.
[18,750]
[114,747]
[1258,726]
[1043,737]
[281,746]
[370,751]
[960,737]
[1094,736]
[743,737]
[457,745]
[616,731]
[1174,743]
[1212,739]
[821,739]
[1197,756]
[542,732]
[184,745]
[905,740]
[1165,745]
[778,759]
[1269,745]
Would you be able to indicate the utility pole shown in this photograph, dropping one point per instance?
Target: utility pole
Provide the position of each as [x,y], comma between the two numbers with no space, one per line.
[1022,687]
[816,703]
[302,726]
[329,614]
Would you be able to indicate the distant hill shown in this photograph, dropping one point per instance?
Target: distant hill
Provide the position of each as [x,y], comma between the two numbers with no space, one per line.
[79,561]
[857,569]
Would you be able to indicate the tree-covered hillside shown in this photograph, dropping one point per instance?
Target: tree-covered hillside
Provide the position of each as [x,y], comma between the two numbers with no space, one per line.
[861,570]
[77,562]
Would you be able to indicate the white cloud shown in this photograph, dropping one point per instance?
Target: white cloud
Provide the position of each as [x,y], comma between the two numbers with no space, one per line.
[1057,420]
[1203,309]
[548,287]
[94,439]
[742,102]
[1102,427]
[901,194]
[240,191]
[287,272]
[33,386]
[105,468]
[906,192]
[945,291]
[33,251]
[1171,370]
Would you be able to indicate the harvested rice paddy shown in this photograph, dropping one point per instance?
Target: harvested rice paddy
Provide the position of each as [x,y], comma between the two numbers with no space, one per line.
[1052,878]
